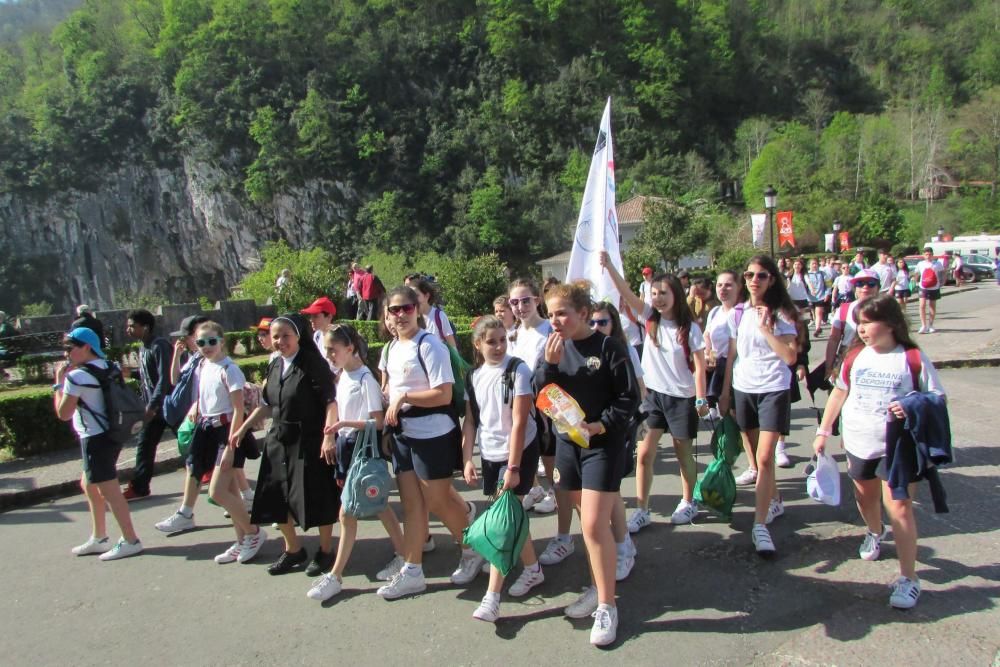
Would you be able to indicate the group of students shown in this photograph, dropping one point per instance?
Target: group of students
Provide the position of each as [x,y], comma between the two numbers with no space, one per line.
[319,394]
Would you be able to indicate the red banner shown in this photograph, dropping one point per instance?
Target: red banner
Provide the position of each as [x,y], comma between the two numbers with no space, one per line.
[845,241]
[786,232]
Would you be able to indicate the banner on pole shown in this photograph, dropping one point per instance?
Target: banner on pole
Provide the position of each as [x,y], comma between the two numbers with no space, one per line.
[829,243]
[786,232]
[757,223]
[845,241]
[597,224]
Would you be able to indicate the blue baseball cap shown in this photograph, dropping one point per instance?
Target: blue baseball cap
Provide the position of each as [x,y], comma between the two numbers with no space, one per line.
[85,335]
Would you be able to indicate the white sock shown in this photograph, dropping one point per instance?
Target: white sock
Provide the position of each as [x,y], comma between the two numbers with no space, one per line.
[247,495]
[536,567]
[491,597]
[468,553]
[413,569]
[564,537]
[621,547]
[186,511]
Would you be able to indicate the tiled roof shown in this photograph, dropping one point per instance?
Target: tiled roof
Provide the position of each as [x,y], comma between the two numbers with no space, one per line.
[631,212]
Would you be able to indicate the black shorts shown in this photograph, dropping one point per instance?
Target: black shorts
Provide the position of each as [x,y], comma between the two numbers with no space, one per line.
[930,294]
[430,458]
[599,469]
[100,458]
[770,411]
[493,472]
[863,470]
[208,444]
[902,293]
[801,303]
[673,414]
[345,452]
[630,445]
[546,435]
[714,379]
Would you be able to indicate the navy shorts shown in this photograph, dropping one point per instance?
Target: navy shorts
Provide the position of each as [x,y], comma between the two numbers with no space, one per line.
[902,293]
[208,444]
[673,414]
[100,458]
[598,469]
[493,472]
[930,294]
[345,452]
[863,470]
[430,458]
[546,435]
[770,411]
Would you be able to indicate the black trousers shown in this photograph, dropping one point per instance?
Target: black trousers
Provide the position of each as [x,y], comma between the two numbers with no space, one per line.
[145,452]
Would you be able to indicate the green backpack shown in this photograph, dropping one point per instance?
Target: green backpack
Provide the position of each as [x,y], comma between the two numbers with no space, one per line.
[498,535]
[717,487]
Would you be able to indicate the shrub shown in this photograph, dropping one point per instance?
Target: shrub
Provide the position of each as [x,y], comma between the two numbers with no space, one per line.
[314,273]
[37,309]
[470,285]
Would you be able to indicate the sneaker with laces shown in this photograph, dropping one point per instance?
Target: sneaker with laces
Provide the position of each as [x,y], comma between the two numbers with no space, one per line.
[176,523]
[747,477]
[391,568]
[871,547]
[402,584]
[605,625]
[92,546]
[547,504]
[325,587]
[685,513]
[251,544]
[762,541]
[623,566]
[533,497]
[123,549]
[780,457]
[468,568]
[905,593]
[775,509]
[556,551]
[230,555]
[633,550]
[529,579]
[585,605]
[488,610]
[638,520]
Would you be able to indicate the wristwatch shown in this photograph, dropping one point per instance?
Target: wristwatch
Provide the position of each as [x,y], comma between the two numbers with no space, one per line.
[700,402]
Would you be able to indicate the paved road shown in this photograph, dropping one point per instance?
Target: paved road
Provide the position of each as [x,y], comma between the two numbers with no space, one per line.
[698,594]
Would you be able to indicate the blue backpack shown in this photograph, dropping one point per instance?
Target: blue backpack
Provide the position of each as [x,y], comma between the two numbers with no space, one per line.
[178,403]
[367,487]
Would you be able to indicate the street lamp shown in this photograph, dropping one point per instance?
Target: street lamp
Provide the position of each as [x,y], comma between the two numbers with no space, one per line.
[770,202]
[940,234]
[836,236]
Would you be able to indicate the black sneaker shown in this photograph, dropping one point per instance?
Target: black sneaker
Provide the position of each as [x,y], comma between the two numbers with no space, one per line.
[321,563]
[287,562]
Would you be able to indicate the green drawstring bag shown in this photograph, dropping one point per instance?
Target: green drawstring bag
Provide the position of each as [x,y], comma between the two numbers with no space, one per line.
[726,438]
[499,533]
[185,434]
[717,487]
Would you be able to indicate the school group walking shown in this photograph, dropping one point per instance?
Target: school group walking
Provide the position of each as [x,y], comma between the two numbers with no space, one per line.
[653,360]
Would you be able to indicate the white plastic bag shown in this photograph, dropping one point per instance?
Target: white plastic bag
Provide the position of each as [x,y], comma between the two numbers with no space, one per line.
[823,483]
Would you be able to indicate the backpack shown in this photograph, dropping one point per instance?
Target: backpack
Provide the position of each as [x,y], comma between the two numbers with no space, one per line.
[509,375]
[368,484]
[913,361]
[124,411]
[177,404]
[929,278]
[459,368]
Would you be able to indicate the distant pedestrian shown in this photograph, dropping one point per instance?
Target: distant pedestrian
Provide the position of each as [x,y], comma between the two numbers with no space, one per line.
[284,278]
[371,292]
[816,290]
[901,282]
[321,313]
[886,273]
[85,318]
[930,276]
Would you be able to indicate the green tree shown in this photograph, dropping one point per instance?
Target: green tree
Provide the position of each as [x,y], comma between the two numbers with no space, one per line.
[671,231]
[314,273]
[470,285]
[880,222]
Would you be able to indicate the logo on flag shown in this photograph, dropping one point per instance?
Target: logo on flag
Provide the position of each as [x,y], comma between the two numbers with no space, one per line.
[786,232]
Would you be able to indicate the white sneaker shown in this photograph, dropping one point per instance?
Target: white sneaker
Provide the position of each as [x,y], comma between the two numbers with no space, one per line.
[488,610]
[585,605]
[547,504]
[638,520]
[325,587]
[92,546]
[905,593]
[540,471]
[251,544]
[747,477]
[633,551]
[468,567]
[762,542]
[429,546]
[402,584]
[623,567]
[871,547]
[775,509]
[528,580]
[533,497]
[123,549]
[929,330]
[556,551]
[470,511]
[780,457]
[391,568]
[685,513]
[922,330]
[605,625]
[230,555]
[176,523]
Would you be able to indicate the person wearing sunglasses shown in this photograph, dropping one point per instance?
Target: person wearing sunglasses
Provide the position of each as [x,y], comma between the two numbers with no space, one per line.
[762,349]
[843,327]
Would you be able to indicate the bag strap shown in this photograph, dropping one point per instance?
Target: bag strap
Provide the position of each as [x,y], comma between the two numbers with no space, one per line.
[739,308]
[915,363]
[849,358]
[437,321]
[470,390]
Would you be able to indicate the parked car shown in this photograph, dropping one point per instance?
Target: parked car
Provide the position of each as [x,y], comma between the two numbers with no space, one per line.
[978,267]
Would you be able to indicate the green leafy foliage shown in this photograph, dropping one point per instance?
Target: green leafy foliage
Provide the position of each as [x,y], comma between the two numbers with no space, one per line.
[314,273]
[471,285]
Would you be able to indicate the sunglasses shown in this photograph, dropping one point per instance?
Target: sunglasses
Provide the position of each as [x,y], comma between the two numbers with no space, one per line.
[761,275]
[866,283]
[207,342]
[603,322]
[402,308]
[526,300]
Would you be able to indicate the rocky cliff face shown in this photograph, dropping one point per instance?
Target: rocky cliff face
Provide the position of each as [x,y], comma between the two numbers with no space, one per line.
[176,233]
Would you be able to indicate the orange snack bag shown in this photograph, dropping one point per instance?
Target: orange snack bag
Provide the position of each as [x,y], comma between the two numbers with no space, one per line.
[565,413]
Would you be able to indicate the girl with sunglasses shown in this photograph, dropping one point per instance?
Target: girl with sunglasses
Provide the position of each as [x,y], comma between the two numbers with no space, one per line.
[426,444]
[762,348]
[843,327]
[358,400]
[436,321]
[673,367]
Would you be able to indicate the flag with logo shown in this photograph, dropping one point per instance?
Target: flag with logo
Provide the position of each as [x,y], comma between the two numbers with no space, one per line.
[757,223]
[597,224]
[845,241]
[786,232]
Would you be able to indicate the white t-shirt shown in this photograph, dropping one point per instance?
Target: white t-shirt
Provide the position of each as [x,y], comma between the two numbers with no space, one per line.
[665,366]
[496,418]
[633,330]
[848,324]
[406,375]
[717,330]
[886,276]
[797,288]
[431,320]
[530,343]
[358,395]
[842,285]
[902,280]
[646,292]
[758,369]
[922,266]
[877,380]
[636,362]
[77,383]
[217,380]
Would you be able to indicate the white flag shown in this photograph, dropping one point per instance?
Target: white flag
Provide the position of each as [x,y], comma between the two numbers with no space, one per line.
[829,242]
[757,223]
[597,225]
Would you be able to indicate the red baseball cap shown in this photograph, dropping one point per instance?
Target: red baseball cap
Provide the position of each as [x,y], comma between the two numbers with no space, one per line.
[264,324]
[646,271]
[321,305]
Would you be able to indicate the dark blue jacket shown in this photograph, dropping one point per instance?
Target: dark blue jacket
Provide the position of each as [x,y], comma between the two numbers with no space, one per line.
[914,447]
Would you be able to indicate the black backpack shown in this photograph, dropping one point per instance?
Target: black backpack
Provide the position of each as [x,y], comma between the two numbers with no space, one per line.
[124,411]
[509,375]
